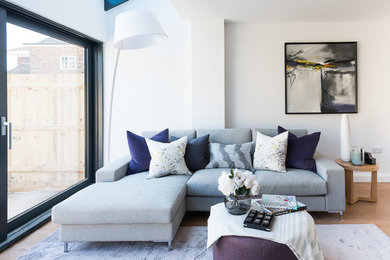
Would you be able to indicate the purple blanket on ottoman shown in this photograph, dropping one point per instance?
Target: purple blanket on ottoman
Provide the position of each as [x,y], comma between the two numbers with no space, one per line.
[237,247]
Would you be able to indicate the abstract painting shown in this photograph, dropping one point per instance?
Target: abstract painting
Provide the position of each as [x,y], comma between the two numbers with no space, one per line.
[321,78]
[108,4]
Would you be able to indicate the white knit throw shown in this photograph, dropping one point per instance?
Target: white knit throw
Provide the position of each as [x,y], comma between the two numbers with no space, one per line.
[296,230]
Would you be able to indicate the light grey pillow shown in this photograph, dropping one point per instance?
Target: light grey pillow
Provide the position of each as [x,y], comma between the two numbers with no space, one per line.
[230,156]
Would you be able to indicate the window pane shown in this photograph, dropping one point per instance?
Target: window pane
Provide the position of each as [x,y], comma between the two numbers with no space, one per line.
[46,107]
[72,62]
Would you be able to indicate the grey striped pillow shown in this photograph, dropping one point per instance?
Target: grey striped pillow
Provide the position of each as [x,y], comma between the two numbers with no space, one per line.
[230,156]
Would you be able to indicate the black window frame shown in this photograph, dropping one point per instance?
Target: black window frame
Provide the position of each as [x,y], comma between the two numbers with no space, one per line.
[31,219]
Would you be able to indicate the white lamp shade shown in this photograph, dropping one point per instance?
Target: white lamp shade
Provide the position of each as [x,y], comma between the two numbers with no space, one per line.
[137,29]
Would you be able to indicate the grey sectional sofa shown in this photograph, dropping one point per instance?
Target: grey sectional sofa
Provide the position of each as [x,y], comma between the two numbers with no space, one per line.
[133,208]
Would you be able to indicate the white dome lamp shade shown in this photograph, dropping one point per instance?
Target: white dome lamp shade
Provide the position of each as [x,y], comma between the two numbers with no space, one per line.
[135,29]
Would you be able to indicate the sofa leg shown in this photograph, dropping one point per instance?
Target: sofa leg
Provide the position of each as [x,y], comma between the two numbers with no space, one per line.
[170,245]
[340,213]
[66,249]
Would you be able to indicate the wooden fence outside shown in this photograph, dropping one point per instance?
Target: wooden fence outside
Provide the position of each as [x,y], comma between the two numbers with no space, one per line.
[47,112]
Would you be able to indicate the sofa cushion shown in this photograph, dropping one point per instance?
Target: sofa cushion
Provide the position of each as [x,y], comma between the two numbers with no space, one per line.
[274,132]
[132,199]
[293,182]
[173,133]
[227,136]
[204,183]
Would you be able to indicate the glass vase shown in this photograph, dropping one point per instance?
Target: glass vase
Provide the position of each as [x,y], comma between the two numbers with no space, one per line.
[237,204]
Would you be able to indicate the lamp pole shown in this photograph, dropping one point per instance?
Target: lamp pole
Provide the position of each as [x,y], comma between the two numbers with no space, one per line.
[111,102]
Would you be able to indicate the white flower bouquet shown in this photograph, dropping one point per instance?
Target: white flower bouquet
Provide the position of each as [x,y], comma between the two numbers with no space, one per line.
[238,183]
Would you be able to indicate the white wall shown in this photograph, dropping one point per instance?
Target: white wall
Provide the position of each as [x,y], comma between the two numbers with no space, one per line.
[153,84]
[208,74]
[86,16]
[156,88]
[255,82]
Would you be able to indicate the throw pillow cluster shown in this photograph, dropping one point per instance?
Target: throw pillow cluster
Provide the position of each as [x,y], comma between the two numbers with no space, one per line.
[162,158]
[181,156]
[285,150]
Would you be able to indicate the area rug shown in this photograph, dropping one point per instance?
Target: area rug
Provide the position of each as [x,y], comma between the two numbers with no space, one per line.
[341,241]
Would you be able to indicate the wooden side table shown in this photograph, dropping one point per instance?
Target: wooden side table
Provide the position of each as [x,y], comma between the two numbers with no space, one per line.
[349,168]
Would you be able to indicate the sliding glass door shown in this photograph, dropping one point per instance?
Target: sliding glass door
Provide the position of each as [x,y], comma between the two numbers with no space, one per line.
[46,115]
[50,117]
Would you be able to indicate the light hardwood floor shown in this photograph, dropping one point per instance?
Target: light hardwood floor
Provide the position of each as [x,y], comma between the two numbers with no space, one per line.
[359,213]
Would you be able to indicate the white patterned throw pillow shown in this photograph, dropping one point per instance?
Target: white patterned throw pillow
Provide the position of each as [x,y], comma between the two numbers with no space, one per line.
[270,152]
[167,158]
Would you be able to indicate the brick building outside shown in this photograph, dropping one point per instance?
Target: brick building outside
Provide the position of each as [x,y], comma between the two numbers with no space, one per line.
[48,56]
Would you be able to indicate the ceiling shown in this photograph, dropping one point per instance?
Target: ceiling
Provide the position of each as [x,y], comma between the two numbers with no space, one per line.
[280,11]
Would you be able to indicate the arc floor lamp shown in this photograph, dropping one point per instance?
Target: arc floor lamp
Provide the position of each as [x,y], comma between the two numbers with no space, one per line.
[135,29]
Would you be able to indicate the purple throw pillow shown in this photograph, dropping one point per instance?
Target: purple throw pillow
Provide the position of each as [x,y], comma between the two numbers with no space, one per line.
[300,151]
[140,156]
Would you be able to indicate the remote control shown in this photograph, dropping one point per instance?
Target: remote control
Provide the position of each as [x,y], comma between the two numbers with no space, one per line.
[260,220]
